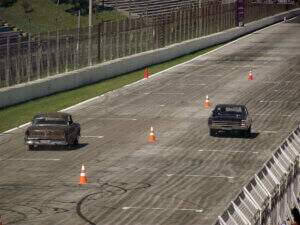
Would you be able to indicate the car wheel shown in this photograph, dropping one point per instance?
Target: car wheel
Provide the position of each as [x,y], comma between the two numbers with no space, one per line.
[76,141]
[212,132]
[249,132]
[30,147]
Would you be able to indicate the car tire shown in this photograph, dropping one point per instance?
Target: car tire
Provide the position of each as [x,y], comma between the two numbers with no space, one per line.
[212,132]
[247,133]
[30,147]
[76,142]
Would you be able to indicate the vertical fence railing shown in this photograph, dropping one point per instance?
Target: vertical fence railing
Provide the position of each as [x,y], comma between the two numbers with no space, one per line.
[271,194]
[23,59]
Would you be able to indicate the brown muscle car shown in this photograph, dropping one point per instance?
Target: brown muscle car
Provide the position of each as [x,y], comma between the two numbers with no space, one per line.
[52,129]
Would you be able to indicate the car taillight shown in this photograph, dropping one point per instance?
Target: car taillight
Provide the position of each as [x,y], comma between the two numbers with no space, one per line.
[243,123]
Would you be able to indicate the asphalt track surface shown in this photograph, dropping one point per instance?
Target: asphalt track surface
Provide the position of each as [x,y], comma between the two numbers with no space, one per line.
[186,177]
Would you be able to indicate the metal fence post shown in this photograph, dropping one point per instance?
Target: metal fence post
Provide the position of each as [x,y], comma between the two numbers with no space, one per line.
[111,56]
[57,52]
[104,47]
[29,65]
[18,67]
[38,56]
[118,39]
[67,54]
[7,71]
[48,53]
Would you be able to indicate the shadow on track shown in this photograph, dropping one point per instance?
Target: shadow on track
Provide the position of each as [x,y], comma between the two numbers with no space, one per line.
[230,134]
[60,148]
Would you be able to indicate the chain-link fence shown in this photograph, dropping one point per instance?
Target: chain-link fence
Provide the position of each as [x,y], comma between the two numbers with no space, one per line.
[23,59]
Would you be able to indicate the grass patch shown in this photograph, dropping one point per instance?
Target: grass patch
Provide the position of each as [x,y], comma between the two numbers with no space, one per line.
[47,16]
[16,115]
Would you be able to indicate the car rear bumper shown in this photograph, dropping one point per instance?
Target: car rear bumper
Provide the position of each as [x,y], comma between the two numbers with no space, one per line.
[227,127]
[45,142]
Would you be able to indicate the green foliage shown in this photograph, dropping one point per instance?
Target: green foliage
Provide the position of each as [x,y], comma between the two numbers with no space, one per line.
[7,3]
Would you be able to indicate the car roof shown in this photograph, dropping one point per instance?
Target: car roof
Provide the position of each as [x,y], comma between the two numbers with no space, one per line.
[53,114]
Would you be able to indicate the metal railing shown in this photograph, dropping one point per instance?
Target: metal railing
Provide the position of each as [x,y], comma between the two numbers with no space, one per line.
[271,194]
[23,59]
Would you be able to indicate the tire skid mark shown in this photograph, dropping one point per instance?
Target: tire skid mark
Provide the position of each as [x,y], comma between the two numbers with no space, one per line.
[23,215]
[104,187]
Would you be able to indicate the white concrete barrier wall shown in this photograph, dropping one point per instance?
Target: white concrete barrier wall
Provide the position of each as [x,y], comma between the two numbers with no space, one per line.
[62,82]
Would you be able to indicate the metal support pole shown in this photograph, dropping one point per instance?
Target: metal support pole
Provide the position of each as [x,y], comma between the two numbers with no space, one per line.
[118,39]
[78,39]
[7,71]
[111,55]
[38,57]
[57,52]
[48,54]
[104,47]
[29,66]
[90,35]
[67,54]
[18,65]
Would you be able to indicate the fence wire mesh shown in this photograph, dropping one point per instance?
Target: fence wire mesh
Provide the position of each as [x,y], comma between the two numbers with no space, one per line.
[23,59]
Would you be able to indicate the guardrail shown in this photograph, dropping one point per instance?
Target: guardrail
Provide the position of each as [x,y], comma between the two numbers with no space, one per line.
[272,192]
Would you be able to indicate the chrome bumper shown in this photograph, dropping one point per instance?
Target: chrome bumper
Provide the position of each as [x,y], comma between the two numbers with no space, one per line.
[227,127]
[44,142]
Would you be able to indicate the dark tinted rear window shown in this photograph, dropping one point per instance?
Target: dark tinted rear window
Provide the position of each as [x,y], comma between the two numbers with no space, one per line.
[228,110]
[49,120]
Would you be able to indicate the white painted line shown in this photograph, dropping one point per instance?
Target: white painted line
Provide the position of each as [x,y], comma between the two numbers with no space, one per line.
[271,131]
[265,101]
[199,175]
[270,82]
[192,84]
[20,159]
[79,104]
[268,131]
[229,151]
[270,114]
[175,209]
[207,75]
[159,73]
[111,118]
[88,136]
[165,93]
[15,128]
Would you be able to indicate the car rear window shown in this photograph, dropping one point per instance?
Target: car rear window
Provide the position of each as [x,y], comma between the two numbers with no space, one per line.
[228,110]
[49,120]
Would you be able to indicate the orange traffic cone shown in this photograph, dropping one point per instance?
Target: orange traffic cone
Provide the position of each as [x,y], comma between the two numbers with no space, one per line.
[207,102]
[250,76]
[83,179]
[146,73]
[151,137]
